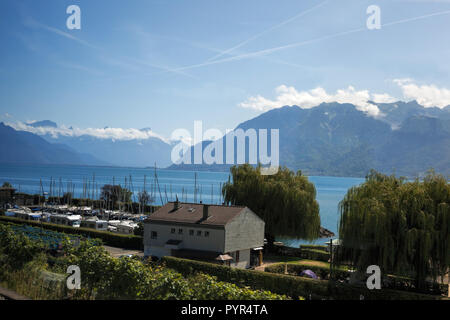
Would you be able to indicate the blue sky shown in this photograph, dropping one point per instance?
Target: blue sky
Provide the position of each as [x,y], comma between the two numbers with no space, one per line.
[154,63]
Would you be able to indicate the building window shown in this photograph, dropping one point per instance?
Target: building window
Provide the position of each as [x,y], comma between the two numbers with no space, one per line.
[180,231]
[237,256]
[199,233]
[172,230]
[206,233]
[154,235]
[191,232]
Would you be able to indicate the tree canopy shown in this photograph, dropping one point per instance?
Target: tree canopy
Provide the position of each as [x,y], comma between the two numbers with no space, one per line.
[401,226]
[145,198]
[114,193]
[286,201]
[6,185]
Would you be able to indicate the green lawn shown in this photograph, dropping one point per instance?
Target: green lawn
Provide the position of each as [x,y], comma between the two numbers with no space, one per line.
[301,262]
[319,264]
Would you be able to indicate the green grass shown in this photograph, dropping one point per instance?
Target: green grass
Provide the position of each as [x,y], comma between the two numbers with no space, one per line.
[319,264]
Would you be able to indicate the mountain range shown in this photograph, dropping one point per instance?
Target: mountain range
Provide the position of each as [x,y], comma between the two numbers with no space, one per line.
[124,153]
[339,140]
[330,139]
[21,147]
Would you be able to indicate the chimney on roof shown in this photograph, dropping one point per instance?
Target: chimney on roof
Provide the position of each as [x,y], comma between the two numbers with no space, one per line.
[176,204]
[205,211]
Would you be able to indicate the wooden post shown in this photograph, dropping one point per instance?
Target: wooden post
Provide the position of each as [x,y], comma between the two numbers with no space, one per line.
[260,258]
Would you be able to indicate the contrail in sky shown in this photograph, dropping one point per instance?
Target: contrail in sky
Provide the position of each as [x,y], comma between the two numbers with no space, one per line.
[301,14]
[33,23]
[302,43]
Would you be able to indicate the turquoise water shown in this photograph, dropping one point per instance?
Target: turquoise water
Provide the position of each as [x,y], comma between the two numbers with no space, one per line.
[330,190]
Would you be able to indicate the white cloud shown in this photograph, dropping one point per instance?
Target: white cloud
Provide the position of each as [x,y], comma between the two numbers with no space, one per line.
[101,133]
[426,95]
[288,96]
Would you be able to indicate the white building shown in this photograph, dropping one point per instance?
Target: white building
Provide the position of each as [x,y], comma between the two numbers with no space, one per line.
[230,234]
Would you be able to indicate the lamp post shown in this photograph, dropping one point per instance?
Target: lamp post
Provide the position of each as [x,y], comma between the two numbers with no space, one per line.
[331,259]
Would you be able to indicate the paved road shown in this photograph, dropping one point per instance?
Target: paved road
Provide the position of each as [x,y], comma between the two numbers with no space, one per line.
[6,294]
[117,252]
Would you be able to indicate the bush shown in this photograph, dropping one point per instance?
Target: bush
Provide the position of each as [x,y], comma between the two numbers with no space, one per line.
[207,287]
[129,278]
[16,249]
[292,286]
[111,239]
[25,269]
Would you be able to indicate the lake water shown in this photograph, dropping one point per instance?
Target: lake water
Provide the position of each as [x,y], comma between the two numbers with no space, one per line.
[330,190]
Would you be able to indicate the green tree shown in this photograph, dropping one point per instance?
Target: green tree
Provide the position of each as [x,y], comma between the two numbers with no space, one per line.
[286,201]
[401,226]
[113,193]
[7,185]
[139,231]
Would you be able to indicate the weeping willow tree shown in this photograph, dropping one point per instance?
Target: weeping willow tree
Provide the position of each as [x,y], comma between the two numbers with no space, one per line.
[401,226]
[286,201]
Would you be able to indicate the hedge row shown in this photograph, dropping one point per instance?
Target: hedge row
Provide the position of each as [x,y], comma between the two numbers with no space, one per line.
[292,286]
[310,252]
[315,247]
[393,282]
[297,269]
[314,254]
[115,240]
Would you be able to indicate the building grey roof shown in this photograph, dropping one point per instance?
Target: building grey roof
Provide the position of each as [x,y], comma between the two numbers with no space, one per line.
[192,213]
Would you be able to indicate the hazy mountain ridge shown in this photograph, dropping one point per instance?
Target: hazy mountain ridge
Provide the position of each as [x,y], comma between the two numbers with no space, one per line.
[330,139]
[134,153]
[20,147]
[336,139]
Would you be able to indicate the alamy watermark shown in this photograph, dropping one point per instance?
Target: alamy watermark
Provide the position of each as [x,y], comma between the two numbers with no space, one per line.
[234,143]
[73,281]
[374,19]
[374,280]
[74,20]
